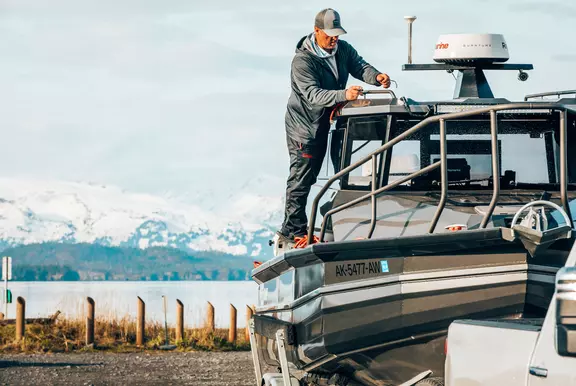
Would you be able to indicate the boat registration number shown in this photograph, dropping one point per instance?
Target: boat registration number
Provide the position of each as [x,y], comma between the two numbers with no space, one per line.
[343,271]
[355,269]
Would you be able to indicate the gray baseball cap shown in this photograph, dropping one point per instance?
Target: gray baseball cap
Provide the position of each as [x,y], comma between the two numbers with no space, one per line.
[328,20]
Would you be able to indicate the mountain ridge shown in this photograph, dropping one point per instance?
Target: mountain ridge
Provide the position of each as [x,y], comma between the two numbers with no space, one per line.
[78,262]
[34,211]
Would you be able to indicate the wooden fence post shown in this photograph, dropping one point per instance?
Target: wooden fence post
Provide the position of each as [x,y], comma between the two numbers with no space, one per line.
[140,322]
[249,314]
[179,320]
[233,325]
[20,317]
[90,321]
[210,324]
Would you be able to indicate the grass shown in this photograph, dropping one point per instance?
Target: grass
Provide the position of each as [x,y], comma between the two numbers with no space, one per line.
[114,335]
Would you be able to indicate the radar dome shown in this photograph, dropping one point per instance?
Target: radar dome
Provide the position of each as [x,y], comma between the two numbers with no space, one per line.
[469,49]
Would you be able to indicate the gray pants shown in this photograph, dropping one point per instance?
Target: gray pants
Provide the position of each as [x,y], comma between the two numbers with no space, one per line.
[305,164]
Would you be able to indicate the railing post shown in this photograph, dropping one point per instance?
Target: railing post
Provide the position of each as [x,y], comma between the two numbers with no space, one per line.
[495,168]
[20,318]
[140,322]
[210,324]
[563,165]
[373,198]
[443,176]
[179,320]
[249,314]
[90,321]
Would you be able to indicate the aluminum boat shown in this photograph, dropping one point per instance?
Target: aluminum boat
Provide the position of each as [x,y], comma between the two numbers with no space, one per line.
[441,210]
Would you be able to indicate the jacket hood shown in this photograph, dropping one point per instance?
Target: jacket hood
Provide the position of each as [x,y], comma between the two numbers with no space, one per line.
[308,44]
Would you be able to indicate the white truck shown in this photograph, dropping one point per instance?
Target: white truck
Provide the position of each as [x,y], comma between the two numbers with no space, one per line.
[518,352]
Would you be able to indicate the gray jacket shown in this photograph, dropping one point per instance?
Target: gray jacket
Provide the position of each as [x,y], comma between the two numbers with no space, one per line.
[315,89]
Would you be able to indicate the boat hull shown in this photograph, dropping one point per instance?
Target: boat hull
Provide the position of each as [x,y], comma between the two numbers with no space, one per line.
[387,327]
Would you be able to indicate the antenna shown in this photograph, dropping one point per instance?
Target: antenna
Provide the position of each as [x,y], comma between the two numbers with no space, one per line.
[410,20]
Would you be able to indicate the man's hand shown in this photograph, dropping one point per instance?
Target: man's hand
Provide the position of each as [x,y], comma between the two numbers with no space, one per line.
[384,80]
[353,92]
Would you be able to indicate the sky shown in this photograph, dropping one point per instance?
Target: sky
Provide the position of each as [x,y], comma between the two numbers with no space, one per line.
[180,97]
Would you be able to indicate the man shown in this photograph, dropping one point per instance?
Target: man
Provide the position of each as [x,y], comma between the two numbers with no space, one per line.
[319,75]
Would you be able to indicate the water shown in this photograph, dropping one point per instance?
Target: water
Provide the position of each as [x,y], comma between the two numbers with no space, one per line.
[119,299]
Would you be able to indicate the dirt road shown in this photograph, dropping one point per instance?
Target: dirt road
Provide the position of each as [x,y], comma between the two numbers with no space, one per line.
[190,368]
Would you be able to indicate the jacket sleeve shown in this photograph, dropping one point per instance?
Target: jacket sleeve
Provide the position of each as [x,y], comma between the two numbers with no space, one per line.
[360,69]
[309,86]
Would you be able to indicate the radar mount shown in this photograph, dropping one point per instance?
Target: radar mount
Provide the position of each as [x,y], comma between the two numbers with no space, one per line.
[471,81]
[471,55]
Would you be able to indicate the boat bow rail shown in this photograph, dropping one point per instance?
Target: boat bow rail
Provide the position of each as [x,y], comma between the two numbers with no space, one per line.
[376,190]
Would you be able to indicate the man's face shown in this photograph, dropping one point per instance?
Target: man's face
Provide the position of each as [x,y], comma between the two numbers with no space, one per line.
[326,42]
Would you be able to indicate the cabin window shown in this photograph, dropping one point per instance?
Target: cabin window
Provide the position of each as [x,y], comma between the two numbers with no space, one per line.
[528,154]
[470,160]
[520,153]
[405,160]
[362,176]
[527,157]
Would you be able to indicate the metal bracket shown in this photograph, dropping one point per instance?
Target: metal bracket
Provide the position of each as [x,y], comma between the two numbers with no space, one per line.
[417,378]
[255,356]
[282,357]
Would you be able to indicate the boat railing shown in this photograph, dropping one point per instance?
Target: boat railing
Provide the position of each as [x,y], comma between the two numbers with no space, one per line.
[442,164]
[549,93]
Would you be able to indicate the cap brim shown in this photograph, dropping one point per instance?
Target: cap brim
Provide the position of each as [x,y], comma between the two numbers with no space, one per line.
[335,31]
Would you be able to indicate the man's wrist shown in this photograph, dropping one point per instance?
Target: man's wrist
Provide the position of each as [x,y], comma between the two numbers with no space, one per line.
[341,96]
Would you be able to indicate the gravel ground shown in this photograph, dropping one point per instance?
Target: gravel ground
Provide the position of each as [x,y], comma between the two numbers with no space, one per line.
[190,368]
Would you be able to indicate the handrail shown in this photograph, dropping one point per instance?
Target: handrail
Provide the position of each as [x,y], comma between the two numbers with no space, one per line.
[443,118]
[549,93]
[392,185]
[389,92]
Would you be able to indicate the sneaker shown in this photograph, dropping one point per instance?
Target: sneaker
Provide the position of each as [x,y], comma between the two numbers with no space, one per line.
[281,243]
[302,242]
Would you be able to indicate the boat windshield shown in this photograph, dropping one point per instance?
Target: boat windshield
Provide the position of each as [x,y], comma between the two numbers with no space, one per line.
[524,159]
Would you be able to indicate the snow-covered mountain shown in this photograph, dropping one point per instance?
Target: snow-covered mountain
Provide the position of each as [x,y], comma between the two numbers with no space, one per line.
[33,211]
